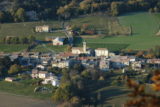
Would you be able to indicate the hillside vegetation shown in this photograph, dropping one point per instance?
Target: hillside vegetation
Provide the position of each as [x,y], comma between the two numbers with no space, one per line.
[145,27]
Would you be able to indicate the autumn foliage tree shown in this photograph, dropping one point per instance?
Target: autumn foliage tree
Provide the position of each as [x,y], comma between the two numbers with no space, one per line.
[141,98]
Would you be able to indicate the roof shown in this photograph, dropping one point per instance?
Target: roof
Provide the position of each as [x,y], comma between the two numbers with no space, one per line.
[77,48]
[154,61]
[59,39]
[120,59]
[66,54]
[43,72]
[35,71]
[101,49]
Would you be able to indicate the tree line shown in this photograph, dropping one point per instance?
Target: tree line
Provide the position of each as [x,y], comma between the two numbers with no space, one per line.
[17,40]
[64,9]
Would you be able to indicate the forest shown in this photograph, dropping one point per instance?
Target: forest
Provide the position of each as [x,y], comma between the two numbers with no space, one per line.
[15,10]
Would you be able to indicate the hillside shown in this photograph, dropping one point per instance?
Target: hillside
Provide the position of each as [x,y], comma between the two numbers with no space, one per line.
[145,27]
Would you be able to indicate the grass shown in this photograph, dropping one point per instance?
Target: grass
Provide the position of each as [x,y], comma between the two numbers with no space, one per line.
[49,48]
[21,88]
[27,28]
[144,27]
[12,48]
[102,24]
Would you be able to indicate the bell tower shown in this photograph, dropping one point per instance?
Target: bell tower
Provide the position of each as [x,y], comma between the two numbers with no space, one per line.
[84,47]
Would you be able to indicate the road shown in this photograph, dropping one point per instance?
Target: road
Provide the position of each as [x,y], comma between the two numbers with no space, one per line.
[11,100]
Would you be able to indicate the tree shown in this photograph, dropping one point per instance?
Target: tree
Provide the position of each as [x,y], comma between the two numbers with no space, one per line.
[14,69]
[24,40]
[114,9]
[140,98]
[31,39]
[2,16]
[20,15]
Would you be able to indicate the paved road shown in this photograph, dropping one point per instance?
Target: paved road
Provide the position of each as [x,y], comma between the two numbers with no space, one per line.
[9,100]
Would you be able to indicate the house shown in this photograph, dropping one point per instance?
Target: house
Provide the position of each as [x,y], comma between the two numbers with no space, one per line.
[34,54]
[45,62]
[136,65]
[120,61]
[46,56]
[10,79]
[43,74]
[154,62]
[65,55]
[44,28]
[58,41]
[104,65]
[51,80]
[81,50]
[34,73]
[102,52]
[62,64]
[41,67]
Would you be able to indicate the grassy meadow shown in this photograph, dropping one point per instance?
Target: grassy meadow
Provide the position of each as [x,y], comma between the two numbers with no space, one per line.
[22,88]
[144,27]
[12,48]
[27,28]
[49,48]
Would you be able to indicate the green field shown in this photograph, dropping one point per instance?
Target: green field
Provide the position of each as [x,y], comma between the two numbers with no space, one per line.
[12,48]
[27,28]
[22,88]
[144,26]
[49,48]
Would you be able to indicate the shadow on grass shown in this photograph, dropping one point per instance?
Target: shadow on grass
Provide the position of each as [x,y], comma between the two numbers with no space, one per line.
[110,93]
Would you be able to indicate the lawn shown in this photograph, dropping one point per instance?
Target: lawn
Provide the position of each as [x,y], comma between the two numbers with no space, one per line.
[12,48]
[27,28]
[22,88]
[144,26]
[49,48]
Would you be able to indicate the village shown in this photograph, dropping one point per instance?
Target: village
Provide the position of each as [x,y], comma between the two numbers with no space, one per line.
[101,59]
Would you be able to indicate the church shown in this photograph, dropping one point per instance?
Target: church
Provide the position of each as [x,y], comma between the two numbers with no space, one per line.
[81,50]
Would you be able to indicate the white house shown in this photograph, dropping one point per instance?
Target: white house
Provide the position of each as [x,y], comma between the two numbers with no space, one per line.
[102,52]
[136,65]
[10,79]
[43,74]
[81,50]
[51,80]
[62,64]
[58,41]
[41,67]
[44,28]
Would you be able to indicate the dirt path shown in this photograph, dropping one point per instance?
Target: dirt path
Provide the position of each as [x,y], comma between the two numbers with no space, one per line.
[9,100]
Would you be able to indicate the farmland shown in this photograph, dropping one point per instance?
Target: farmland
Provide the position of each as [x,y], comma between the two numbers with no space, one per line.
[22,88]
[12,48]
[144,27]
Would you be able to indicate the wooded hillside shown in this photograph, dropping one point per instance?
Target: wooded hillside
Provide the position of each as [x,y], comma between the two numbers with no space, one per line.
[15,10]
